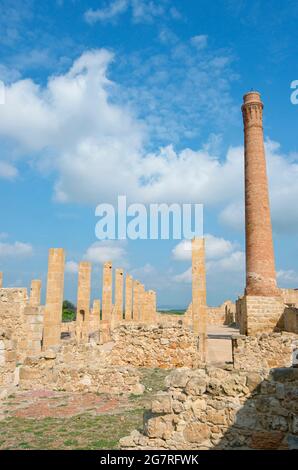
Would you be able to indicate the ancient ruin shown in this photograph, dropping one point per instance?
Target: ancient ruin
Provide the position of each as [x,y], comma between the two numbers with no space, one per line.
[245,399]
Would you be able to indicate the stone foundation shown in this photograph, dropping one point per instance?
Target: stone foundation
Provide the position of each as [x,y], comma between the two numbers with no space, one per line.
[260,314]
[222,409]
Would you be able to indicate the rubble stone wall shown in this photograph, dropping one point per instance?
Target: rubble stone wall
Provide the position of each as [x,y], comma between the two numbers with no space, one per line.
[149,346]
[7,363]
[263,351]
[222,409]
[78,369]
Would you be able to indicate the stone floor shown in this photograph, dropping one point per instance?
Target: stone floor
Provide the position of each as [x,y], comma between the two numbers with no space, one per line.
[220,344]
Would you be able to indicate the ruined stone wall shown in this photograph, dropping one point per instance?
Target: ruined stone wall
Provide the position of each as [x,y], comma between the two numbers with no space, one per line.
[222,409]
[8,358]
[263,351]
[223,315]
[13,302]
[290,296]
[76,368]
[154,346]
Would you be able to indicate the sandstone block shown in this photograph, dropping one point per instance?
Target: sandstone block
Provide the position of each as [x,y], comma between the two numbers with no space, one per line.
[161,404]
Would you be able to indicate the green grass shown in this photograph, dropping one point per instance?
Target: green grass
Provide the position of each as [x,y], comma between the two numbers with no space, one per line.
[78,432]
[85,431]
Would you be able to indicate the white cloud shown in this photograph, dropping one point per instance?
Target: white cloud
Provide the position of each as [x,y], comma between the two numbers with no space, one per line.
[184,277]
[111,11]
[223,258]
[142,11]
[73,127]
[215,248]
[15,250]
[71,267]
[8,171]
[107,250]
[200,41]
[287,277]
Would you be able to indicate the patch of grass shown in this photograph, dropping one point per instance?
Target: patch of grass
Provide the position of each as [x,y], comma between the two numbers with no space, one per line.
[154,379]
[78,432]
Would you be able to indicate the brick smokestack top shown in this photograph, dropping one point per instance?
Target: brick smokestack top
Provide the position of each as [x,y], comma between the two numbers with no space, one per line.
[260,269]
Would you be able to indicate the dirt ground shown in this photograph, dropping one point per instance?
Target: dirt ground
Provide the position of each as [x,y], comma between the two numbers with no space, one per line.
[42,419]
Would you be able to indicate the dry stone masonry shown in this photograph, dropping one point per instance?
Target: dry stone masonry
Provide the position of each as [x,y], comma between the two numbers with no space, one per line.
[213,408]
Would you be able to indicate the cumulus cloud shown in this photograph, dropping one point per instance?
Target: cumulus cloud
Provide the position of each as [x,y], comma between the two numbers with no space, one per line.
[215,247]
[107,250]
[7,171]
[223,258]
[73,127]
[15,250]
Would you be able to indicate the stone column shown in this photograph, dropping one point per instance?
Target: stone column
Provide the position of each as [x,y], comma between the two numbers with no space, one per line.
[136,301]
[128,298]
[107,302]
[119,295]
[35,290]
[142,303]
[152,306]
[1,280]
[54,298]
[83,301]
[95,317]
[260,268]
[33,327]
[199,310]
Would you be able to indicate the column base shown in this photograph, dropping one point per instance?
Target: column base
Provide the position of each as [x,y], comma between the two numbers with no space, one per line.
[260,314]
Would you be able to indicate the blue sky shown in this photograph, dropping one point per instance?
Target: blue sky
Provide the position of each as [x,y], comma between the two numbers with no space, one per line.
[102,95]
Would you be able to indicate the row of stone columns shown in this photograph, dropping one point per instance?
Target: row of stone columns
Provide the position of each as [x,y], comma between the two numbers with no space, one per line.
[139,304]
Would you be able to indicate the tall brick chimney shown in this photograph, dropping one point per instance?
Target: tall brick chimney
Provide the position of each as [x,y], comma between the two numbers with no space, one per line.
[260,269]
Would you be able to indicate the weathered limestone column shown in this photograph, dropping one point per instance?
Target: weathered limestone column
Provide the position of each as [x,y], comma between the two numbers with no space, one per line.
[83,301]
[142,303]
[260,268]
[152,306]
[136,300]
[128,297]
[107,292]
[94,322]
[33,328]
[199,310]
[119,295]
[145,309]
[54,298]
[1,280]
[35,290]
